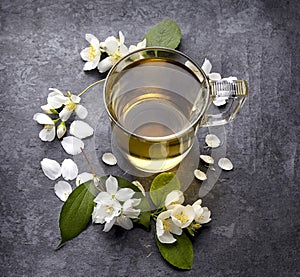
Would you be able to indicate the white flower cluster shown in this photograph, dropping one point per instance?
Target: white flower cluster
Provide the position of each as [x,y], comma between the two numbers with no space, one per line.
[178,217]
[113,48]
[64,106]
[115,207]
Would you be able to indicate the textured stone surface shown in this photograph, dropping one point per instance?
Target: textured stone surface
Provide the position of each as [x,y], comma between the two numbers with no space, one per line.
[255,227]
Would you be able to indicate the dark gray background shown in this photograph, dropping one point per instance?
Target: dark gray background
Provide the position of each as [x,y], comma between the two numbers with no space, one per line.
[255,226]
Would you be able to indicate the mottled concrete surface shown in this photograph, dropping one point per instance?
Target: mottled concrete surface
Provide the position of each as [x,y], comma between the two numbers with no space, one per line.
[255,226]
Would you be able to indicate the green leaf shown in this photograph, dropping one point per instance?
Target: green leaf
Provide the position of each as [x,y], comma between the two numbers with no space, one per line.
[76,211]
[145,215]
[180,253]
[166,34]
[161,186]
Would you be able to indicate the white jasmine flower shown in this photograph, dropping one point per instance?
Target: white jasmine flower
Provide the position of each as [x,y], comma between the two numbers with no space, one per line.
[112,192]
[62,190]
[115,48]
[51,168]
[48,132]
[202,214]
[175,197]
[56,98]
[165,227]
[92,53]
[81,129]
[72,145]
[69,169]
[61,129]
[72,105]
[140,45]
[182,216]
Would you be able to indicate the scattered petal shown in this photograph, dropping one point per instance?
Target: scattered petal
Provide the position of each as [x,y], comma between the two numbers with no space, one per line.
[81,111]
[109,159]
[72,145]
[207,159]
[225,164]
[83,177]
[47,133]
[212,141]
[200,175]
[69,169]
[62,190]
[81,129]
[51,168]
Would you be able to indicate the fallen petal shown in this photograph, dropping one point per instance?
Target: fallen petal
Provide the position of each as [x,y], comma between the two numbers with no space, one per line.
[200,175]
[47,134]
[207,159]
[69,169]
[62,190]
[212,141]
[225,164]
[109,159]
[83,177]
[81,129]
[72,145]
[81,111]
[51,168]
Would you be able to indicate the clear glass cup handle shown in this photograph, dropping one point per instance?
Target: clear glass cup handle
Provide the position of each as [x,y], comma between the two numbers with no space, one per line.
[233,93]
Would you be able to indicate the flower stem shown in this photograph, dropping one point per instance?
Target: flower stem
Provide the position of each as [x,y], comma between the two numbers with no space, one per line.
[90,86]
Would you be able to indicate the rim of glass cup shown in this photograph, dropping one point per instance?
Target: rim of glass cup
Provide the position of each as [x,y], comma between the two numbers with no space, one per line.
[175,135]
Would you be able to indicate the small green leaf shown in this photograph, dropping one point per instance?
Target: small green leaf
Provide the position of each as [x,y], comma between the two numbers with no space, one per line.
[76,211]
[145,215]
[161,186]
[166,34]
[180,253]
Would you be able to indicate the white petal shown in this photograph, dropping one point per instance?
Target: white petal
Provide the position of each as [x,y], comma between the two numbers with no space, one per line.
[61,130]
[212,141]
[91,64]
[220,101]
[121,37]
[106,64]
[56,98]
[62,190]
[214,76]
[125,222]
[83,177]
[111,45]
[174,197]
[139,186]
[47,135]
[124,194]
[51,168]
[167,237]
[142,44]
[225,164]
[92,39]
[65,114]
[47,109]
[109,159]
[206,67]
[111,185]
[85,53]
[200,175]
[230,78]
[72,145]
[81,111]
[80,129]
[109,225]
[123,50]
[42,118]
[132,48]
[69,169]
[207,159]
[103,198]
[75,98]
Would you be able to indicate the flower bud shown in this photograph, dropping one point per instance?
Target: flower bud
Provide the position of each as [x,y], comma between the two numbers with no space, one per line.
[61,129]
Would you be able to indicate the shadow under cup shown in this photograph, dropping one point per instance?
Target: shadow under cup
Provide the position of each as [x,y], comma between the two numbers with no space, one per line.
[155,103]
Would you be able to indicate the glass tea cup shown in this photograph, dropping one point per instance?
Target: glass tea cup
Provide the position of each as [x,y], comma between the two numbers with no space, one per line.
[156,99]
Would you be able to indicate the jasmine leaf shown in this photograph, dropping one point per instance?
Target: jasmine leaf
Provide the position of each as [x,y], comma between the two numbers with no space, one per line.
[161,186]
[180,253]
[76,211]
[166,34]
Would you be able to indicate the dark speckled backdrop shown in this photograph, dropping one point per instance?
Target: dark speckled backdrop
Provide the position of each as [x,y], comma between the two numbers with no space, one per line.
[255,226]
